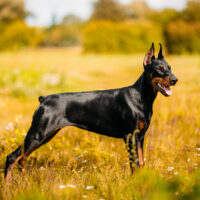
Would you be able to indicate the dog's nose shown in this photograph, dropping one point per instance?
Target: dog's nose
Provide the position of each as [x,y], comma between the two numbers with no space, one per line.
[173,81]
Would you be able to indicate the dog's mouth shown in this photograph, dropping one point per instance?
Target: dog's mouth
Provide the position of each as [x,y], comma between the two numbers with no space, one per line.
[166,91]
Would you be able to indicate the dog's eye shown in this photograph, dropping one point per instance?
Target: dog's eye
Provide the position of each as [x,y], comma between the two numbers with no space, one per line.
[161,67]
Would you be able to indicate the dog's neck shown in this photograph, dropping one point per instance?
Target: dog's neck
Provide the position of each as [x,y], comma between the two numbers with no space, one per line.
[143,85]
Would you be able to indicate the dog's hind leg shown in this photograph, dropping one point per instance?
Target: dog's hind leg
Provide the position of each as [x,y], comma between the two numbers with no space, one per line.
[42,130]
[11,161]
[31,143]
[27,152]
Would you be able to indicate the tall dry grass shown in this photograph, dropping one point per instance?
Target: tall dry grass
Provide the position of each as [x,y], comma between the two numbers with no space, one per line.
[78,164]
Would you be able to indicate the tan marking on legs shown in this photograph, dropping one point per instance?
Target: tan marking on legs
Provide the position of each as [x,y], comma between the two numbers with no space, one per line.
[140,155]
[139,147]
[8,177]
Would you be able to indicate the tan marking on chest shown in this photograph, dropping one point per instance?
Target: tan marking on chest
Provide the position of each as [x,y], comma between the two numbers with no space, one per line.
[141,124]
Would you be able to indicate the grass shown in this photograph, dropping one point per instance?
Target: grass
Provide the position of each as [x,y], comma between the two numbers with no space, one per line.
[78,164]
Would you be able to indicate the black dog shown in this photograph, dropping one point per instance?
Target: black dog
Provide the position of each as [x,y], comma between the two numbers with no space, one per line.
[120,113]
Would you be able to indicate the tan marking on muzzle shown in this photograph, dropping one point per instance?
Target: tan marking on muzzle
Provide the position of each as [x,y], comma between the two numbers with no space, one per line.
[162,81]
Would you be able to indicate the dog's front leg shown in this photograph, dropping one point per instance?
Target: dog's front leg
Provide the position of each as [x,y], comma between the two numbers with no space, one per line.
[134,144]
[139,140]
[139,148]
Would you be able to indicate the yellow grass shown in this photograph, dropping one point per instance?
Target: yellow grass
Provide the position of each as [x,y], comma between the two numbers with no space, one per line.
[76,159]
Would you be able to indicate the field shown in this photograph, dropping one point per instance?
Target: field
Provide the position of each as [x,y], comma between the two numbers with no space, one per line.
[78,164]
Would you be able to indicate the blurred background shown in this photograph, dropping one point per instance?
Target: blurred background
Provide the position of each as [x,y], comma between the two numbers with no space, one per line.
[101,26]
[53,46]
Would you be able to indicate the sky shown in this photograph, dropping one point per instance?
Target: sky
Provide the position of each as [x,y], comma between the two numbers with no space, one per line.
[44,10]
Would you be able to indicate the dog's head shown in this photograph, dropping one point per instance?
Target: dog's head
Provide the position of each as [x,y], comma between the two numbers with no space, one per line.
[159,72]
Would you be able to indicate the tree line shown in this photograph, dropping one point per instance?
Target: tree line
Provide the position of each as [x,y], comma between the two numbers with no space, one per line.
[112,28]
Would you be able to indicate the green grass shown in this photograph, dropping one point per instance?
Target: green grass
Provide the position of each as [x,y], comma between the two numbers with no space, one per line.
[76,159]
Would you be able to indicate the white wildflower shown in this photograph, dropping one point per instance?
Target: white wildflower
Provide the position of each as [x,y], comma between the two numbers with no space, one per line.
[89,187]
[176,173]
[84,161]
[76,158]
[102,163]
[42,168]
[169,169]
[71,186]
[62,186]
[10,126]
[188,160]
[85,196]
[51,79]
[18,117]
[24,134]
[15,71]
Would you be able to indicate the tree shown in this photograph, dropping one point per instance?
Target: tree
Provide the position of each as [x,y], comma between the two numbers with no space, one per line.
[164,17]
[137,9]
[191,13]
[108,10]
[71,20]
[11,10]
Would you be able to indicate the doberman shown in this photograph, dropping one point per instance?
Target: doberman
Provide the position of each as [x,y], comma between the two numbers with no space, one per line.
[119,113]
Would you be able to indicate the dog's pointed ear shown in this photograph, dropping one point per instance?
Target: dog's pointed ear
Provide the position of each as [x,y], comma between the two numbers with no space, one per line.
[149,56]
[160,54]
